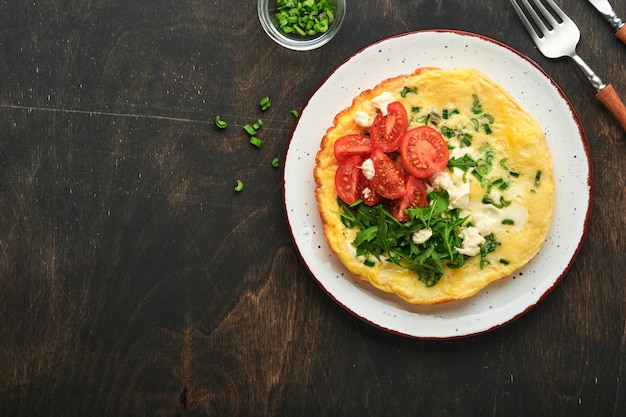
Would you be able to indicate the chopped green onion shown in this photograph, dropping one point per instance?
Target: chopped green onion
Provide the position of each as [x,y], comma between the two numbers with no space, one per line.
[295,113]
[299,30]
[537,182]
[305,18]
[508,222]
[466,139]
[250,130]
[265,103]
[275,162]
[219,122]
[446,131]
[256,141]
[424,119]
[503,203]
[407,90]
[239,186]
[479,177]
[369,263]
[477,108]
[503,261]
[483,167]
[446,114]
[501,184]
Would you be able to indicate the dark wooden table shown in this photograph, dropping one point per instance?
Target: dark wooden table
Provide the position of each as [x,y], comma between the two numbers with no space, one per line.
[134,280]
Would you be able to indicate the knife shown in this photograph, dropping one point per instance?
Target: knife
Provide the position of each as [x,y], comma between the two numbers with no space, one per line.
[605,9]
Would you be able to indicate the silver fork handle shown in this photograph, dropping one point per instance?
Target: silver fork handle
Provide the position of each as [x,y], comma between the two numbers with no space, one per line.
[605,93]
[613,19]
[591,76]
[616,23]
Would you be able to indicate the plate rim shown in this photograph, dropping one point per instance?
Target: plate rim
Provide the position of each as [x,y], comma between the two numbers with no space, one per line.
[589,180]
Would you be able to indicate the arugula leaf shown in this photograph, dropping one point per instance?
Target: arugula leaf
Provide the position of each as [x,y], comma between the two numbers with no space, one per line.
[464,163]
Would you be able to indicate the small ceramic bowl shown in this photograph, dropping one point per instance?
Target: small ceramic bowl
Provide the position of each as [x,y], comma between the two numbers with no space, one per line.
[295,41]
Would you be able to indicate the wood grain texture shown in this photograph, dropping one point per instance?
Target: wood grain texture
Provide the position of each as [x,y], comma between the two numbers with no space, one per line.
[134,280]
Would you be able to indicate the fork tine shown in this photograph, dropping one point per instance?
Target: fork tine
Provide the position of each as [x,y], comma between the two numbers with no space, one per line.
[549,15]
[540,20]
[557,10]
[524,18]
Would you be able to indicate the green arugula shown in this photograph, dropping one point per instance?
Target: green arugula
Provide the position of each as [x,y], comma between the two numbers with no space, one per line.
[380,235]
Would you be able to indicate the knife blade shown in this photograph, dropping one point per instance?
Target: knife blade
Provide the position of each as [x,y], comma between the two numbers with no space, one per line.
[606,10]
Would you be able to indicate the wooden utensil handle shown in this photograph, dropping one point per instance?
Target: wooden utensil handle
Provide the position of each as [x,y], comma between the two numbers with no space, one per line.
[611,101]
[621,34]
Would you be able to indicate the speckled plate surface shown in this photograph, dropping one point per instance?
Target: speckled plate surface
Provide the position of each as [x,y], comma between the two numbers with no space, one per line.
[502,301]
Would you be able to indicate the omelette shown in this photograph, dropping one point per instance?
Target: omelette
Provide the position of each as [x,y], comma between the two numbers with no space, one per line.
[434,184]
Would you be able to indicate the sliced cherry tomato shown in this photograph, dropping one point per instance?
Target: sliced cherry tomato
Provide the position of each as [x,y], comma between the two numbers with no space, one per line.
[386,131]
[347,179]
[416,196]
[350,145]
[369,196]
[424,151]
[388,180]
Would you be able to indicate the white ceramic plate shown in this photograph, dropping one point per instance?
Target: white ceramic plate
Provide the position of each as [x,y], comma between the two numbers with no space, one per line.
[503,300]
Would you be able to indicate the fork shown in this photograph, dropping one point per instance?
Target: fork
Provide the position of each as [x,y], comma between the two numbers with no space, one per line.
[557,36]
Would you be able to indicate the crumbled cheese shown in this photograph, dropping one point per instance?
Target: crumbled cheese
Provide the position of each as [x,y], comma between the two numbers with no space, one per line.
[368,168]
[382,101]
[366,192]
[472,240]
[363,119]
[458,194]
[421,236]
[441,180]
[482,224]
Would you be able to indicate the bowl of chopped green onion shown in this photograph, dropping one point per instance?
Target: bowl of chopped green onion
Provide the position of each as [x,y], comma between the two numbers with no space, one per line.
[301,25]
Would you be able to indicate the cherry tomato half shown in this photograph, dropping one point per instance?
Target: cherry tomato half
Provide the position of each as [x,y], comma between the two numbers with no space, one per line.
[386,131]
[347,179]
[388,180]
[369,196]
[350,145]
[424,151]
[416,196]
